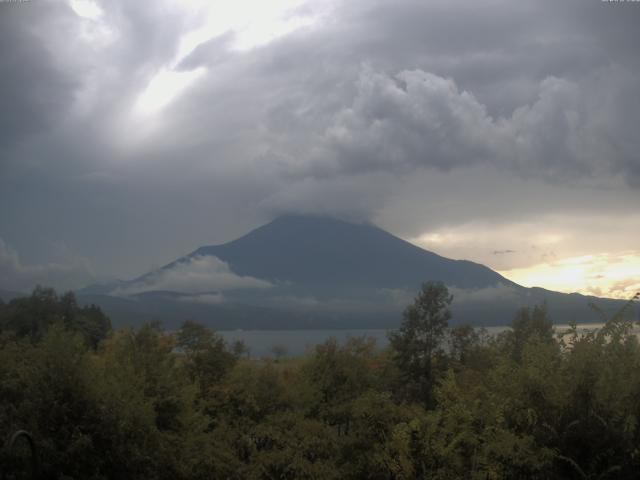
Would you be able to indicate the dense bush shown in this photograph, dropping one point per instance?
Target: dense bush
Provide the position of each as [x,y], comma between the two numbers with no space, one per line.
[153,404]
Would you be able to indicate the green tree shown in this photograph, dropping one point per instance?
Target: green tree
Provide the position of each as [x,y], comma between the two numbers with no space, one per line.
[529,324]
[339,374]
[279,352]
[289,446]
[420,337]
[31,317]
[207,358]
[462,340]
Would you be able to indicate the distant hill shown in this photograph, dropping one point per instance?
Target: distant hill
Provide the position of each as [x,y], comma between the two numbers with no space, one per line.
[317,272]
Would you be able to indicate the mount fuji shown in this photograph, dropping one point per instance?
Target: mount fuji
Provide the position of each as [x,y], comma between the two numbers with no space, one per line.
[318,272]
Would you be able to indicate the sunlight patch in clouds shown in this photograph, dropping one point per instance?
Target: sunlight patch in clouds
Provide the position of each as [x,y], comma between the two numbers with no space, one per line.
[86,9]
[251,24]
[94,29]
[163,88]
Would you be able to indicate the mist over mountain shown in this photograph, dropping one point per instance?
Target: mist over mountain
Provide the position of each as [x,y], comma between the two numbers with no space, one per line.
[319,272]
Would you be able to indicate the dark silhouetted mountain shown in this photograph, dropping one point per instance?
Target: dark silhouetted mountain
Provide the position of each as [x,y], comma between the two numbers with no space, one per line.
[324,273]
[322,252]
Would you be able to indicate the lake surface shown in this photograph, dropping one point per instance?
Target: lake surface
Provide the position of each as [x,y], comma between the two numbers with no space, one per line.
[298,342]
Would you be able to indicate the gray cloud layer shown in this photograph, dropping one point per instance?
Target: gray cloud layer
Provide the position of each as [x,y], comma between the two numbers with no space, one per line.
[67,272]
[399,123]
[196,275]
[417,115]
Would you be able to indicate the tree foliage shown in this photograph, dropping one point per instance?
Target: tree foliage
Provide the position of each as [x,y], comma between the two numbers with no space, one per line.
[419,341]
[31,317]
[151,404]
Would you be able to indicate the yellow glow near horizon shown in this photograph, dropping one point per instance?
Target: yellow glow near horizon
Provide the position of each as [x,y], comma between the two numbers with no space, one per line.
[553,252]
[602,275]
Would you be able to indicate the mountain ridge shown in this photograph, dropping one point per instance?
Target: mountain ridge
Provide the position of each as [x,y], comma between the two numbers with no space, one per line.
[319,272]
[359,246]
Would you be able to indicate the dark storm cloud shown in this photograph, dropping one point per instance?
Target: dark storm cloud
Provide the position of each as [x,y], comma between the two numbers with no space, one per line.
[462,109]
[332,121]
[34,89]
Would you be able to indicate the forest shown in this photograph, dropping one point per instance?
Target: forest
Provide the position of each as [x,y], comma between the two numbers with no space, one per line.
[440,402]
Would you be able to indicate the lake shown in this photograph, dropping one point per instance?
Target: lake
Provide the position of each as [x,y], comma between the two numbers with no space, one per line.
[299,342]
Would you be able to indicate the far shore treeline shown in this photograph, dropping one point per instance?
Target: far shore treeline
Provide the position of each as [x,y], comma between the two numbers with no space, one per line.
[439,402]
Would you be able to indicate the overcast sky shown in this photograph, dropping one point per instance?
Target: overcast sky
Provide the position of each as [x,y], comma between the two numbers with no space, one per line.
[505,132]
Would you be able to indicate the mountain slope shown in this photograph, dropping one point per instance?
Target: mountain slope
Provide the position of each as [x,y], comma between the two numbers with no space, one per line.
[319,252]
[313,272]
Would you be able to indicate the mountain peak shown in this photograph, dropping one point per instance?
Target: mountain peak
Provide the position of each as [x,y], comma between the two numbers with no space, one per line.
[319,250]
[320,272]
